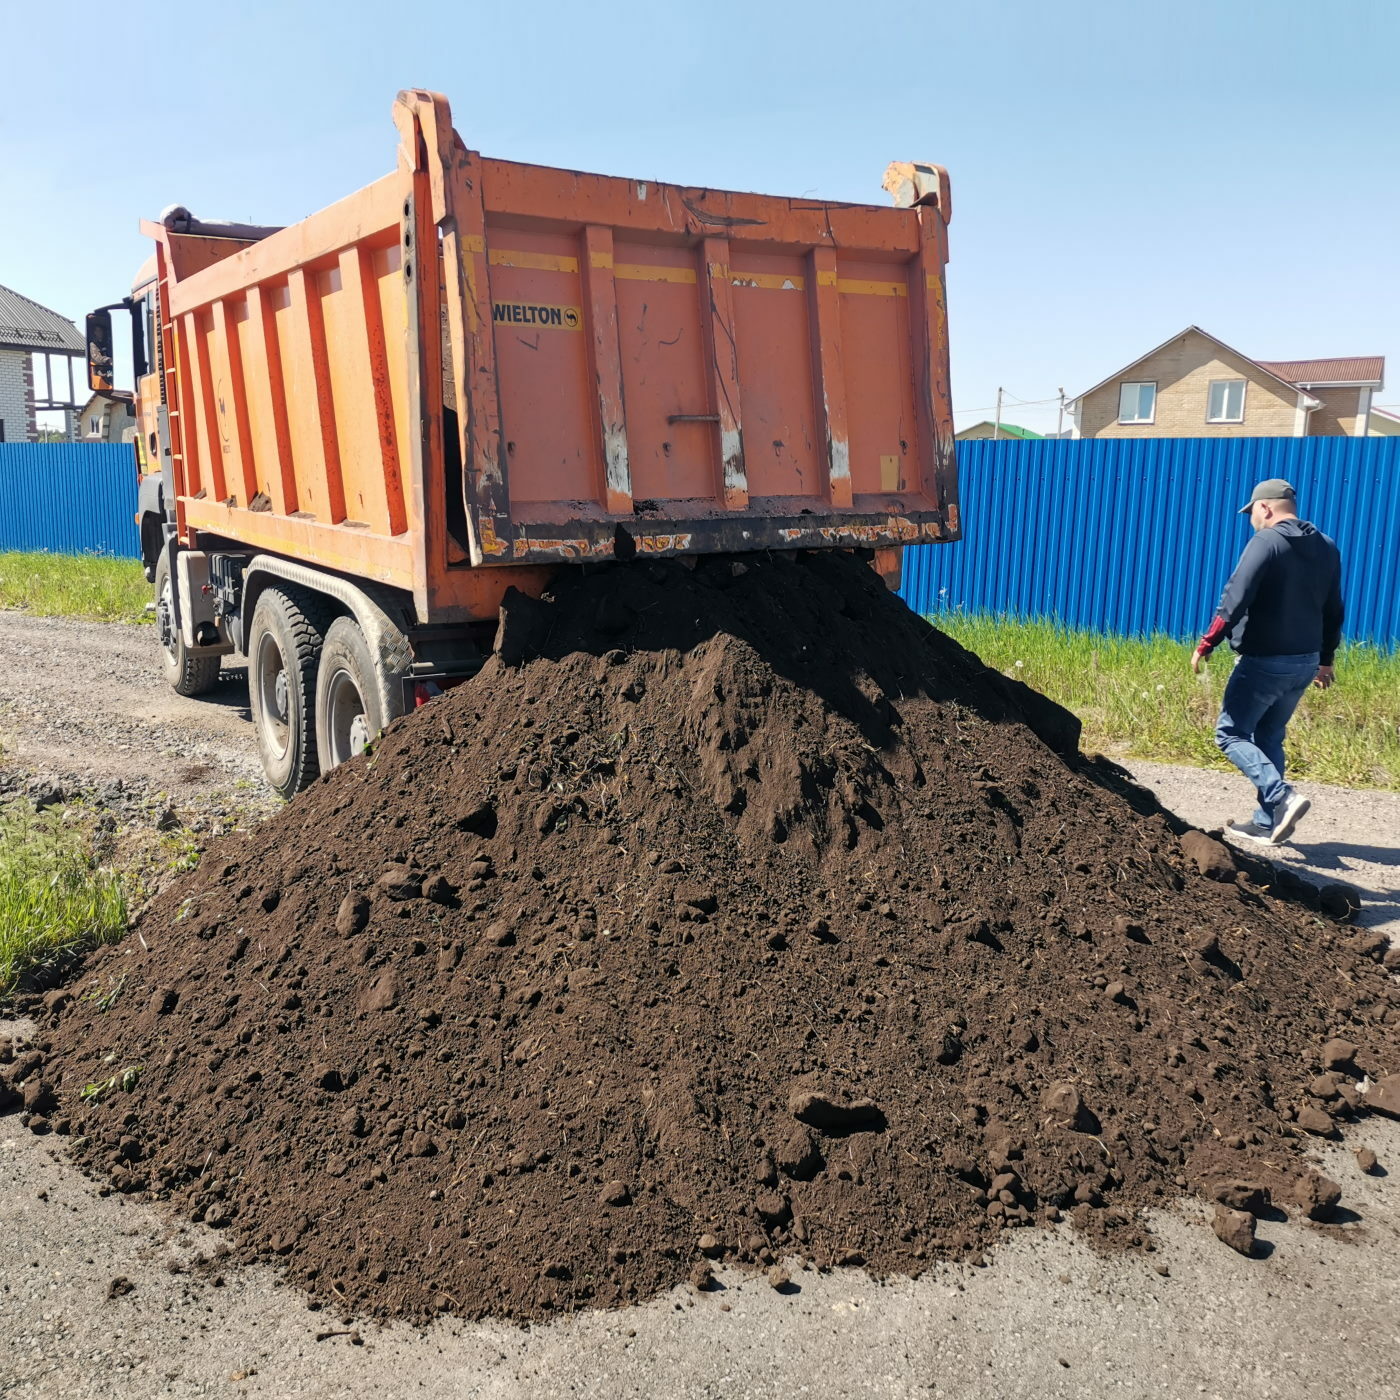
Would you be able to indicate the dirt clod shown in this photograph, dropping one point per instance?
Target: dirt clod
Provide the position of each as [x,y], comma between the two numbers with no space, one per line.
[1315,1194]
[1235,1228]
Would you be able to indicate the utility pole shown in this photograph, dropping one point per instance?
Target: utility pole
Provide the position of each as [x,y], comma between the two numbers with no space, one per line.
[996,427]
[1060,421]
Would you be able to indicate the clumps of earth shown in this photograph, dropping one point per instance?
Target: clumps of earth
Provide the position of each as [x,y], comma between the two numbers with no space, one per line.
[731,915]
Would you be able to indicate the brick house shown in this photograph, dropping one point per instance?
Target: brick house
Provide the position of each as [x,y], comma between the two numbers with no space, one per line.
[1194,385]
[29,333]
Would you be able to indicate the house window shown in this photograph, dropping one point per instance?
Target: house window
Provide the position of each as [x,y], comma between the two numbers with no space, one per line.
[1226,401]
[1137,403]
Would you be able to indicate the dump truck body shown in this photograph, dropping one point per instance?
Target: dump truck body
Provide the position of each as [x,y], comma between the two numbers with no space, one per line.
[474,372]
[625,366]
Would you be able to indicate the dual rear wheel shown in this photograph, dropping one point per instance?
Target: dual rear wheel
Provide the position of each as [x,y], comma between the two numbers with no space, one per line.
[314,688]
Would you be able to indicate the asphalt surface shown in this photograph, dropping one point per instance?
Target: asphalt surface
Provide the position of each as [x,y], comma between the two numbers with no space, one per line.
[83,703]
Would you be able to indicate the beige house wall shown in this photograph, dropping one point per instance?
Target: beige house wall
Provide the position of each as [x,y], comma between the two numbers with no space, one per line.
[1337,414]
[1183,370]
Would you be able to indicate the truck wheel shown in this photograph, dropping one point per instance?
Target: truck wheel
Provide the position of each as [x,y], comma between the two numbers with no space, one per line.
[189,675]
[284,650]
[350,709]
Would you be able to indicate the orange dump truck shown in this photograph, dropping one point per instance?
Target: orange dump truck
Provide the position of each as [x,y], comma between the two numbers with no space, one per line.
[358,431]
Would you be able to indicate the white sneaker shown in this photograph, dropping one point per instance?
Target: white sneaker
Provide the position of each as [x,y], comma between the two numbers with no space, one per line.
[1261,835]
[1292,810]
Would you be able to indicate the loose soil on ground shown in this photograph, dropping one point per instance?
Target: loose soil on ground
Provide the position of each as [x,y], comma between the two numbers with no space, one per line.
[728,915]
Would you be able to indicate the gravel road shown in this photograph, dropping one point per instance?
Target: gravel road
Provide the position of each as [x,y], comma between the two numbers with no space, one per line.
[82,707]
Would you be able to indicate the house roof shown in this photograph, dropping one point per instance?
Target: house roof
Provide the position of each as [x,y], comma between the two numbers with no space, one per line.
[1359,370]
[25,325]
[1215,340]
[1006,429]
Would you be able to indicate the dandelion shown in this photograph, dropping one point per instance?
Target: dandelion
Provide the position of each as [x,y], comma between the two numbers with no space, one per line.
[1160,688]
[1144,694]
[1020,664]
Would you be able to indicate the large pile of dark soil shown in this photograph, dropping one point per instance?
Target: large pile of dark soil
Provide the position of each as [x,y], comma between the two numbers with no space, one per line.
[729,914]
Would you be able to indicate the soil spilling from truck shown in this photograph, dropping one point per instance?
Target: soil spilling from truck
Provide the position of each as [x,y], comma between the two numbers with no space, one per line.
[729,915]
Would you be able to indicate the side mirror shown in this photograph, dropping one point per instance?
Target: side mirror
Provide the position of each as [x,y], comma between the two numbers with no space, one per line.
[99,351]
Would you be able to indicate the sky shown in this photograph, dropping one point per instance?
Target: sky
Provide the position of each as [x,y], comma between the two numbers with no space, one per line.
[1119,171]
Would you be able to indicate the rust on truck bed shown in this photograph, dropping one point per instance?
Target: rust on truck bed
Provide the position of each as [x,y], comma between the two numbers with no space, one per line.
[474,369]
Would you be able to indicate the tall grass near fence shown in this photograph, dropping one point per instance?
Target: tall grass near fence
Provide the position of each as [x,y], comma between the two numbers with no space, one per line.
[1136,697]
[90,586]
[55,899]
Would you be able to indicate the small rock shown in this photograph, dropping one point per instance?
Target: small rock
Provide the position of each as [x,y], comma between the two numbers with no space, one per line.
[420,1145]
[500,934]
[702,1277]
[1384,1096]
[438,890]
[383,993]
[352,915]
[772,1207]
[1338,1054]
[1064,1106]
[615,1193]
[1366,1160]
[709,1246]
[1242,1195]
[1209,856]
[1116,992]
[39,1097]
[1315,1121]
[120,1287]
[1235,1228]
[779,1280]
[799,1157]
[1315,1194]
[399,882]
[327,1077]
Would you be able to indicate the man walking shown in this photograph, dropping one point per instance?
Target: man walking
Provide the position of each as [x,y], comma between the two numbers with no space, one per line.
[1282,612]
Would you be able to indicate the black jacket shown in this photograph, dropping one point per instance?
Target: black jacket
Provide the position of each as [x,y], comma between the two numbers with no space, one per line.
[1285,596]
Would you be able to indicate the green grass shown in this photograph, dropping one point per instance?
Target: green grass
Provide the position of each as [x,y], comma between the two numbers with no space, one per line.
[75,585]
[55,900]
[1136,697]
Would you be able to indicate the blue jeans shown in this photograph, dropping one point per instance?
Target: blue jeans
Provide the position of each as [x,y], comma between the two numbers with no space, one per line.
[1260,697]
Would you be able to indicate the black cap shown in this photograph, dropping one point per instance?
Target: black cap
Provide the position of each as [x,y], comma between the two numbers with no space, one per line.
[1274,489]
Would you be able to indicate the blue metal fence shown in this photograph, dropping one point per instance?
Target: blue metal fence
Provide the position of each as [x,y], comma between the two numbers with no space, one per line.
[68,498]
[1138,536]
[1118,535]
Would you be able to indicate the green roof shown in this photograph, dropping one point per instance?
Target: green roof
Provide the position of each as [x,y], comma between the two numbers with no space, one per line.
[1006,430]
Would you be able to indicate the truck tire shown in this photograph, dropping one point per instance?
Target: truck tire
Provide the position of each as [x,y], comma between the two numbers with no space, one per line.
[284,653]
[187,674]
[350,703]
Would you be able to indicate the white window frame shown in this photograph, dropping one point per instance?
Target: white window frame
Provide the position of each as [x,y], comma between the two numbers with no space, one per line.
[1137,384]
[1244,394]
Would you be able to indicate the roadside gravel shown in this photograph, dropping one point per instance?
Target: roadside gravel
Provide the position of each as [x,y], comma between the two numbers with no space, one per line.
[84,712]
